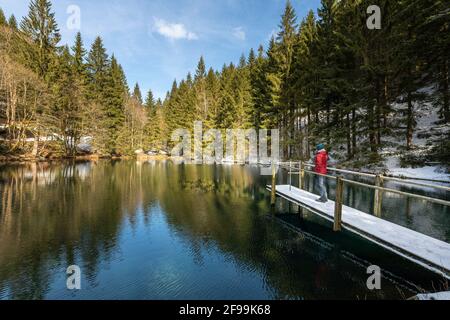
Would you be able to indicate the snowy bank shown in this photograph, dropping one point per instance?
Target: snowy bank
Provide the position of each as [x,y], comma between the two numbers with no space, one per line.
[433,296]
[427,172]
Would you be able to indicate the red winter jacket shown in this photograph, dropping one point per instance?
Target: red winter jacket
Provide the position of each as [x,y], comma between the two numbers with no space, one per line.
[321,162]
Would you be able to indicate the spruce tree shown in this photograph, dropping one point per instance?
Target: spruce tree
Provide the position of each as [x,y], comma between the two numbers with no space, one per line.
[259,87]
[243,95]
[66,103]
[79,55]
[115,98]
[137,94]
[273,112]
[97,66]
[2,18]
[212,83]
[12,22]
[251,58]
[40,25]
[201,69]
[304,84]
[150,101]
[286,41]
[202,101]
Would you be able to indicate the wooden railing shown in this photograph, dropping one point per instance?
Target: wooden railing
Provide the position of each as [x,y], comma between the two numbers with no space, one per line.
[340,181]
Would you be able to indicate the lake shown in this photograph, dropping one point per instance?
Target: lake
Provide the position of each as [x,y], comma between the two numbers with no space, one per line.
[160,230]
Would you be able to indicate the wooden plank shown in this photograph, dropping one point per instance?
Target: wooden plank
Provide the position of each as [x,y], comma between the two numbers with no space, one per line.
[425,250]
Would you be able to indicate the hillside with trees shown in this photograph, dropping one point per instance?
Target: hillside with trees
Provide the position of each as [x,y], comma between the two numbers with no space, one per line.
[57,96]
[367,94]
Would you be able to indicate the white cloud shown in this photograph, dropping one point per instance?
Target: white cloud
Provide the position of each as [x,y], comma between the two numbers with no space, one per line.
[272,34]
[173,31]
[239,33]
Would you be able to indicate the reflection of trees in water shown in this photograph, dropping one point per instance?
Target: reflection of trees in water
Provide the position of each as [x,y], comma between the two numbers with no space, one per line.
[232,217]
[63,214]
[51,213]
[55,215]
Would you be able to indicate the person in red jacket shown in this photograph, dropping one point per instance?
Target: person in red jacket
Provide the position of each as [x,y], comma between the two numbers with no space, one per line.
[320,162]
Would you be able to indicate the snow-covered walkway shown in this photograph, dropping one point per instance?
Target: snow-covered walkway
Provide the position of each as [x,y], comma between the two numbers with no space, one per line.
[427,251]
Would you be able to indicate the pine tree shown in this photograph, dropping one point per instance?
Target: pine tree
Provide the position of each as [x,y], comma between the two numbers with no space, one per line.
[213,89]
[40,25]
[109,90]
[156,126]
[259,87]
[202,103]
[79,69]
[304,84]
[286,41]
[2,18]
[434,21]
[12,22]
[97,66]
[251,58]
[79,55]
[66,103]
[115,97]
[201,70]
[137,94]
[227,111]
[273,81]
[243,95]
[150,102]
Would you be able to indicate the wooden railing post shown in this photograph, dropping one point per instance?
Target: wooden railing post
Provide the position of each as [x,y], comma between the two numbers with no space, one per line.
[338,204]
[378,196]
[290,175]
[301,179]
[274,186]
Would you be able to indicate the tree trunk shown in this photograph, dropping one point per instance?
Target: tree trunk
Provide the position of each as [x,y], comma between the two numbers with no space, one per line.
[446,107]
[385,102]
[349,143]
[372,136]
[35,150]
[409,122]
[353,131]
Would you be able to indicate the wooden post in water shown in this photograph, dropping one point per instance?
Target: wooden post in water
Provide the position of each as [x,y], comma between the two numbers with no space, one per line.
[273,195]
[378,196]
[338,204]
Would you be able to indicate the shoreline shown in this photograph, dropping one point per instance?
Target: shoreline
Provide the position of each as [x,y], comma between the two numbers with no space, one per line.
[31,159]
[26,159]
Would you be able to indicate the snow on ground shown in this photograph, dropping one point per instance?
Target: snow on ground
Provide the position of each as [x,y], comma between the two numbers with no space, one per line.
[427,133]
[433,296]
[429,172]
[413,243]
[392,164]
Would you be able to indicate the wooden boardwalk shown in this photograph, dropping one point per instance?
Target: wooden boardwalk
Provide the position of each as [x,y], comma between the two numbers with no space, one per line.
[429,252]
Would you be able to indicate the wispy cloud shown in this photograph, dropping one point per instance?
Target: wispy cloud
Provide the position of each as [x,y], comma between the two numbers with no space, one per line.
[239,33]
[272,34]
[173,31]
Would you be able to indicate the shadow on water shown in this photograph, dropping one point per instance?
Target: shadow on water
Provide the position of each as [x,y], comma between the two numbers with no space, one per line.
[157,230]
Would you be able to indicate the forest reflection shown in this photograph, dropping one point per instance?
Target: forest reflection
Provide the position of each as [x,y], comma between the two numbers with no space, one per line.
[58,214]
[53,212]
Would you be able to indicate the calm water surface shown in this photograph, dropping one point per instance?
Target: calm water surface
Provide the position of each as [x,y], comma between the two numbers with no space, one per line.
[158,230]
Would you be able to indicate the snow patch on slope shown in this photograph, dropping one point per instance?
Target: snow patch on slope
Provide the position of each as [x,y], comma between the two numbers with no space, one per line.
[433,296]
[392,164]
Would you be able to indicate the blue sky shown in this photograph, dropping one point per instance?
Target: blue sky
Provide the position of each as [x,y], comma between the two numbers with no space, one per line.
[157,41]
